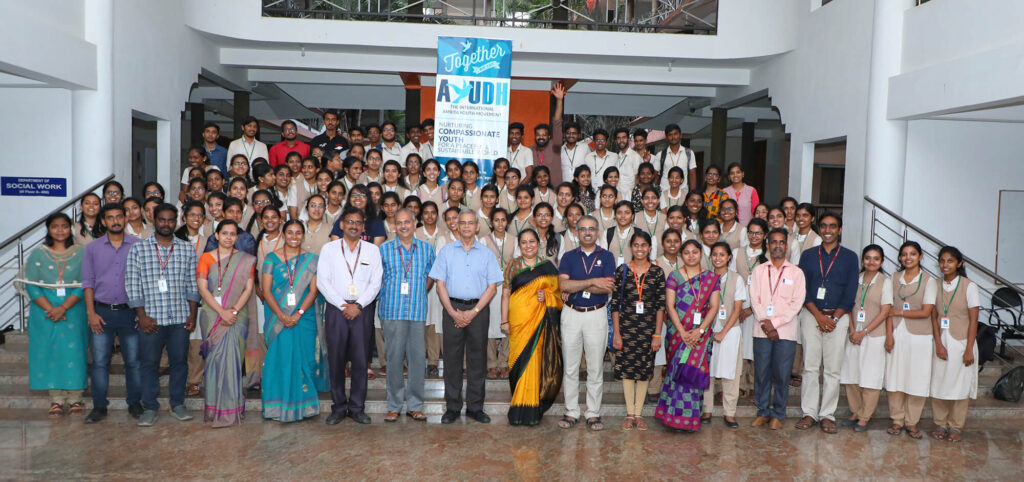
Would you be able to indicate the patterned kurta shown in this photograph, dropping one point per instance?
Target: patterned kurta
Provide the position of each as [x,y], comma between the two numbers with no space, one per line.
[636,360]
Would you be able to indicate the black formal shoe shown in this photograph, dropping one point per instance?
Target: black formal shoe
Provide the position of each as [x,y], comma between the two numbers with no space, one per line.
[729,424]
[479,416]
[96,415]
[450,416]
[135,410]
[334,418]
[360,417]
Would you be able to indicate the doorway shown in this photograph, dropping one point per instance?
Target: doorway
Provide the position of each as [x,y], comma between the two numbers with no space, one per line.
[143,152]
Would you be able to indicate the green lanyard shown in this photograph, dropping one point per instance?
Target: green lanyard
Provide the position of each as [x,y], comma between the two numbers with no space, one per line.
[620,242]
[750,266]
[945,307]
[899,292]
[804,242]
[501,249]
[865,287]
[721,292]
[656,221]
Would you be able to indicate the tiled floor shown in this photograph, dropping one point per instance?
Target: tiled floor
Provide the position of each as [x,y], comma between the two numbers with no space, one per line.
[34,447]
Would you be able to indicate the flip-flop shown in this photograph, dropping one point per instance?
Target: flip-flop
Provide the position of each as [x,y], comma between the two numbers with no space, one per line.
[914,433]
[954,436]
[894,430]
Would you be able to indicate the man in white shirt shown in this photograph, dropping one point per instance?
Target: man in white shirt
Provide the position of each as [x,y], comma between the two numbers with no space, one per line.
[427,137]
[629,162]
[601,159]
[390,148]
[519,156]
[574,153]
[349,276]
[414,134]
[247,145]
[675,155]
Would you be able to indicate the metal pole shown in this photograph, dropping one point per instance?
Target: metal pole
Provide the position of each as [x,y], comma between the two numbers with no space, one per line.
[21,299]
[874,212]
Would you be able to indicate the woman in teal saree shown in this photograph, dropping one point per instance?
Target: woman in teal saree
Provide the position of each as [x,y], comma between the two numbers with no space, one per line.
[292,366]
[694,295]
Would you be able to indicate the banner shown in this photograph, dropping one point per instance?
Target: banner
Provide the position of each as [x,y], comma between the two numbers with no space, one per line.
[34,186]
[471,107]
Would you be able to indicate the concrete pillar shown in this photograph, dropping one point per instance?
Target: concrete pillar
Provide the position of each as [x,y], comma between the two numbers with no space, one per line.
[197,113]
[241,105]
[773,168]
[747,147]
[719,128]
[886,150]
[92,111]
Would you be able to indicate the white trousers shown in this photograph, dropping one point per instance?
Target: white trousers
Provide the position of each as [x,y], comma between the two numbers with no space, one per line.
[823,355]
[583,334]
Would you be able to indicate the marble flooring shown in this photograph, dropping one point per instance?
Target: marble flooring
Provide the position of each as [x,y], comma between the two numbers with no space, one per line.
[35,447]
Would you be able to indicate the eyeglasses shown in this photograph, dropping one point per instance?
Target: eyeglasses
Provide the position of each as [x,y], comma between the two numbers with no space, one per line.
[261,203]
[357,194]
[197,188]
[289,129]
[193,215]
[389,129]
[467,223]
[152,193]
[728,209]
[112,192]
[712,174]
[239,163]
[317,205]
[353,222]
[542,215]
[755,233]
[585,229]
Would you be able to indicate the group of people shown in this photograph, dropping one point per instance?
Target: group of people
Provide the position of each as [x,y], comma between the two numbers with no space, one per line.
[285,269]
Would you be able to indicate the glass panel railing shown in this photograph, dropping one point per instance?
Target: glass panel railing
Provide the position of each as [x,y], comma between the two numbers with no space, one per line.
[665,16]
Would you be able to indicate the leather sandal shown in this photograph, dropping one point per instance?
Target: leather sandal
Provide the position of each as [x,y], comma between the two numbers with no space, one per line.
[76,408]
[627,423]
[894,430]
[567,422]
[391,417]
[828,426]
[641,425]
[954,436]
[56,410]
[914,433]
[805,423]
[940,433]
[417,416]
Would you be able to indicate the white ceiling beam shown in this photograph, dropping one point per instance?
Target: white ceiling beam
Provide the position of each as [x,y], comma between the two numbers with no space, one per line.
[323,77]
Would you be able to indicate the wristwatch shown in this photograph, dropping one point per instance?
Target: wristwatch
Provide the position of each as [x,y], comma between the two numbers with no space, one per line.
[834,318]
[702,330]
[300,312]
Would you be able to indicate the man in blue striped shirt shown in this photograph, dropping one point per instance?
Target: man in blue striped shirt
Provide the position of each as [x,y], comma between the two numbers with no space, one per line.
[403,314]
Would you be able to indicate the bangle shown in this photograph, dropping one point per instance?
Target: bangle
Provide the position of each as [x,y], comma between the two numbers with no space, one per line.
[657,335]
[505,323]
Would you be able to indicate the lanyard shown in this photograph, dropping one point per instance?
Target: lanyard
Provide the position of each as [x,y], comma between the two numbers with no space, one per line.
[945,307]
[351,269]
[573,156]
[597,249]
[656,221]
[540,162]
[514,155]
[221,270]
[899,291]
[388,150]
[721,292]
[163,263]
[773,289]
[249,152]
[292,271]
[750,266]
[804,242]
[60,272]
[639,281]
[866,287]
[675,266]
[263,252]
[821,266]
[515,220]
[604,161]
[668,155]
[501,249]
[689,284]
[401,259]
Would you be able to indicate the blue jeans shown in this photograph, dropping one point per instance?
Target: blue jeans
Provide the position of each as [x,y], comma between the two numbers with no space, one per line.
[773,363]
[120,323]
[151,346]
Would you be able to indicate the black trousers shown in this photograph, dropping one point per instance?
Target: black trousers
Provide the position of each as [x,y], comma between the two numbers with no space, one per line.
[470,342]
[348,341]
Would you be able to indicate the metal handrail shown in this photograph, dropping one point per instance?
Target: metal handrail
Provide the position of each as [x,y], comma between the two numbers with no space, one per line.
[35,224]
[974,264]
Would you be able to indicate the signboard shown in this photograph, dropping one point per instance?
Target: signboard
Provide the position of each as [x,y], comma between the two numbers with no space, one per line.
[471,107]
[34,186]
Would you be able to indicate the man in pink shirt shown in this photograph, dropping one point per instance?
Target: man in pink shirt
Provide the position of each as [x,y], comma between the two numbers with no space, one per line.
[279,152]
[777,293]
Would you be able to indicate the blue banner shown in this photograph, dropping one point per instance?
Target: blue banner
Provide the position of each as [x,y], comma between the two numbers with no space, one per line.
[34,186]
[472,101]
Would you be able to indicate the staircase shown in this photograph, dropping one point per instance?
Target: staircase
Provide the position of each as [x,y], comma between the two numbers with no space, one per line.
[15,393]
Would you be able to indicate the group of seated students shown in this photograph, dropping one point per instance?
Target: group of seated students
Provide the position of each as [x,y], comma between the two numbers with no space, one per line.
[768,286]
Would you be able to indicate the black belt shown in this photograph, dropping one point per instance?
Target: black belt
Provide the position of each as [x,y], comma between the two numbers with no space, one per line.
[464,302]
[122,306]
[586,309]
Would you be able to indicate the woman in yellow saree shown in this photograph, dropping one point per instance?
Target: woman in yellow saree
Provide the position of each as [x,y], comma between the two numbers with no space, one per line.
[531,305]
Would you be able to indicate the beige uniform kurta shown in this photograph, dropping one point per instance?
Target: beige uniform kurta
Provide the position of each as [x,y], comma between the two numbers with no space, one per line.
[727,357]
[654,227]
[619,244]
[909,365]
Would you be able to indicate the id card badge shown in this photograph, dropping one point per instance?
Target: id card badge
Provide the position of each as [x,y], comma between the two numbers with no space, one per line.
[161,285]
[944,323]
[770,310]
[620,260]
[750,279]
[219,300]
[62,292]
[696,320]
[403,288]
[639,307]
[352,291]
[290,299]
[721,314]
[586,295]
[861,316]
[906,306]
[821,293]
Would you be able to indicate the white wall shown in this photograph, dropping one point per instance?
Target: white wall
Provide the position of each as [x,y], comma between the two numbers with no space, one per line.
[821,91]
[955,170]
[29,120]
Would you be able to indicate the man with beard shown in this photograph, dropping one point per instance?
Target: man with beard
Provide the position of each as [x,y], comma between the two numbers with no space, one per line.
[247,145]
[390,148]
[629,162]
[776,296]
[331,140]
[106,306]
[573,153]
[289,143]
[414,135]
[549,139]
[161,283]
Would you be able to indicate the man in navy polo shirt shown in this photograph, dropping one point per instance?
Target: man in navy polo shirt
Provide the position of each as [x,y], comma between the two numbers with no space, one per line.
[586,277]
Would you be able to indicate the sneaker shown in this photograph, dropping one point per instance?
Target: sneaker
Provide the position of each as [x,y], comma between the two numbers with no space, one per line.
[135,410]
[181,412]
[147,419]
[96,415]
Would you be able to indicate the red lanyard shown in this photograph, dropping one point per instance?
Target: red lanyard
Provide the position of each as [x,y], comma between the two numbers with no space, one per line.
[351,269]
[540,162]
[639,281]
[163,263]
[591,268]
[401,259]
[291,269]
[60,273]
[771,288]
[821,266]
[222,271]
